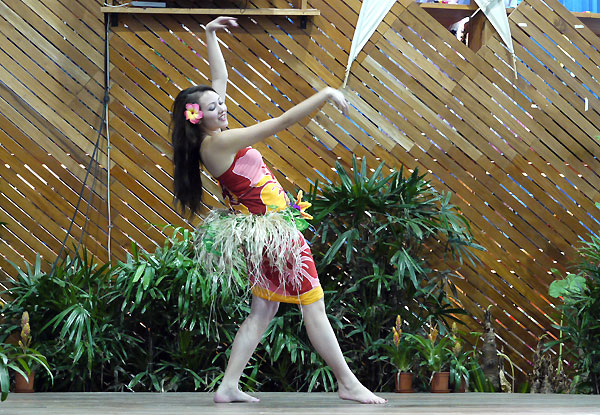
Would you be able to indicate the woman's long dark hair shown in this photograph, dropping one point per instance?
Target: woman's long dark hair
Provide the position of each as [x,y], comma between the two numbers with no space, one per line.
[187,139]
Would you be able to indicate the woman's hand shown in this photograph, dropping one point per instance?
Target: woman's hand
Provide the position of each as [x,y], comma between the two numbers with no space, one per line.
[338,99]
[221,23]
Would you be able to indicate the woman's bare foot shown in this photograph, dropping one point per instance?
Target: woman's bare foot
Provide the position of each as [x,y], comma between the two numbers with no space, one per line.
[360,394]
[226,395]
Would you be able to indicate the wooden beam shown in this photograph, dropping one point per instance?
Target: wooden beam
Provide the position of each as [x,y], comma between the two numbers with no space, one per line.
[226,12]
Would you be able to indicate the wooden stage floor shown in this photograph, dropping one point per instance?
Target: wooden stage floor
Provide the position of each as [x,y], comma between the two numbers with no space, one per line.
[296,403]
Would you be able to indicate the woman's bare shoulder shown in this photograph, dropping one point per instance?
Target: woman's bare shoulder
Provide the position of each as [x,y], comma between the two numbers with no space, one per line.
[226,141]
[216,157]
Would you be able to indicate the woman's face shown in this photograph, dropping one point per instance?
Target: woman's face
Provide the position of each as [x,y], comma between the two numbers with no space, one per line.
[215,112]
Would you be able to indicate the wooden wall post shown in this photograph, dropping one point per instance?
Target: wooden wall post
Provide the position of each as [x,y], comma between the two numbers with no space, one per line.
[478,31]
[300,4]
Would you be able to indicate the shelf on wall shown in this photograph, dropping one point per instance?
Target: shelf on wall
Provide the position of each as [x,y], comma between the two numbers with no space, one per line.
[448,14]
[591,20]
[224,12]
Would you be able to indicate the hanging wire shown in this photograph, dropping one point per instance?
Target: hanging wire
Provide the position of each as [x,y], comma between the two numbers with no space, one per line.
[108,146]
[94,157]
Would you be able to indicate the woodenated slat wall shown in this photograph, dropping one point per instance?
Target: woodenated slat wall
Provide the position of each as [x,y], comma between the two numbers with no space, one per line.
[520,154]
[50,100]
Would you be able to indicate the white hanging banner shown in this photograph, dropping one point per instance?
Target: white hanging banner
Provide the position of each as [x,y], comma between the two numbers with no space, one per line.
[371,14]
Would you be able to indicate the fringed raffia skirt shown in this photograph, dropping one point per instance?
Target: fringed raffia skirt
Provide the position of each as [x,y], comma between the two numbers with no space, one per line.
[268,247]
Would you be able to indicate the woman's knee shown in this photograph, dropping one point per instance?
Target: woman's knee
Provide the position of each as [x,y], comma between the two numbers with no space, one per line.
[273,307]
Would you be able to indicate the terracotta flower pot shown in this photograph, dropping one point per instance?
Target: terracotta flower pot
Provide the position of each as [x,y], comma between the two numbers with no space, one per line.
[463,385]
[404,382]
[439,382]
[460,388]
[24,385]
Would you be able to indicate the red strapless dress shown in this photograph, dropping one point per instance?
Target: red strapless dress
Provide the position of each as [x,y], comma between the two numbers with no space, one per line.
[250,188]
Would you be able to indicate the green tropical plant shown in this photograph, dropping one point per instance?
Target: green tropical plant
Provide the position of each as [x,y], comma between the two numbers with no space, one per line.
[402,352]
[149,323]
[77,333]
[8,363]
[580,317]
[459,364]
[30,357]
[292,363]
[459,369]
[394,217]
[436,352]
[478,381]
[174,317]
[386,244]
[524,387]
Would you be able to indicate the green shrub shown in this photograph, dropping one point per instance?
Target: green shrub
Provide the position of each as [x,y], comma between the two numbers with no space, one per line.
[74,320]
[386,246]
[183,332]
[151,323]
[580,318]
[146,324]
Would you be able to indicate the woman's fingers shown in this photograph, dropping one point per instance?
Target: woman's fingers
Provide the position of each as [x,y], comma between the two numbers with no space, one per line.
[228,21]
[222,22]
[345,107]
[340,101]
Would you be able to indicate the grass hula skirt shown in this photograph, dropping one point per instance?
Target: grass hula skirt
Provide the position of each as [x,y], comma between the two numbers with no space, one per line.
[228,245]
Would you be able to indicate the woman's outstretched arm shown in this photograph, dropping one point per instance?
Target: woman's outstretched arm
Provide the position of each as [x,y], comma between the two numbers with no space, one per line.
[233,140]
[218,69]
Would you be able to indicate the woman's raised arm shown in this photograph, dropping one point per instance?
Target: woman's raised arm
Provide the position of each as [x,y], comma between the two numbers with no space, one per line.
[235,139]
[218,69]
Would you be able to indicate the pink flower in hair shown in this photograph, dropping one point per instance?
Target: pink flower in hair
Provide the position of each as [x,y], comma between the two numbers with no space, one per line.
[193,113]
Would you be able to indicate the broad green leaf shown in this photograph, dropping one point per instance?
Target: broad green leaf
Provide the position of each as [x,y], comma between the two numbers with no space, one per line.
[138,273]
[571,284]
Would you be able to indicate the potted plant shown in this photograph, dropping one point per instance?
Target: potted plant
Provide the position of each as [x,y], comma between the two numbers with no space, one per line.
[459,370]
[401,356]
[8,362]
[436,354]
[22,359]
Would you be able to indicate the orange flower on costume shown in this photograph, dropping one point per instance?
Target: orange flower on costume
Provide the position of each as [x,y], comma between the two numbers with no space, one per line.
[193,113]
[302,206]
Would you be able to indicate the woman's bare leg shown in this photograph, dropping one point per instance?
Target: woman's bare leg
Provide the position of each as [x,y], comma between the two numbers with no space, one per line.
[251,331]
[323,339]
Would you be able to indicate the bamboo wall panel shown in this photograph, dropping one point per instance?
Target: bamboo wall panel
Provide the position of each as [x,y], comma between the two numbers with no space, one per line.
[518,153]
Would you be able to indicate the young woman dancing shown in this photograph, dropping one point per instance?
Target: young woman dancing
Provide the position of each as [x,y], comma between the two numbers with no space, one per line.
[279,262]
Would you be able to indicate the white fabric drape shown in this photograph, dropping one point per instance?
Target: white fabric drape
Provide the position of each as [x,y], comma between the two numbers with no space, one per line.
[371,14]
[495,11]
